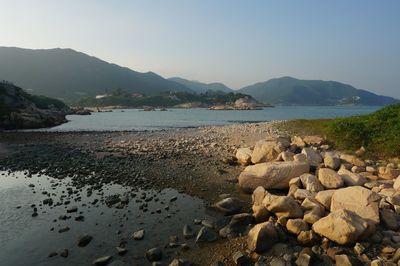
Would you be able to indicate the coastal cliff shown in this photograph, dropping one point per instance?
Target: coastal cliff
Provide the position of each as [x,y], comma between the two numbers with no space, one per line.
[20,110]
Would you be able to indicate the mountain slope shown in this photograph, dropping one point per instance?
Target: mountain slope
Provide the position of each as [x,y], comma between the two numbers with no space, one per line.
[200,87]
[68,74]
[291,91]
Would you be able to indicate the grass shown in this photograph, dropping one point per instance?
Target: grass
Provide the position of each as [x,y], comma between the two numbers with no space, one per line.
[378,132]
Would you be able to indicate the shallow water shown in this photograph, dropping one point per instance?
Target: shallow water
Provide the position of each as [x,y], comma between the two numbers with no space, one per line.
[27,240]
[133,119]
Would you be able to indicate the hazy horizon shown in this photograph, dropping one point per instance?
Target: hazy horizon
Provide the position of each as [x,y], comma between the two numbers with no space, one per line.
[235,43]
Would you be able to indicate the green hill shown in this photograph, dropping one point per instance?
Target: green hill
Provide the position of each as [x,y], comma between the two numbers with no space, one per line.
[291,91]
[200,87]
[70,75]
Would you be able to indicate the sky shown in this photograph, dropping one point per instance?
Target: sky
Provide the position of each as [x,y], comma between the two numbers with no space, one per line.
[235,42]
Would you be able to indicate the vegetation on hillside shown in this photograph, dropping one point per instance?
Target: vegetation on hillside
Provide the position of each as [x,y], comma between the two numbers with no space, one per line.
[168,99]
[378,132]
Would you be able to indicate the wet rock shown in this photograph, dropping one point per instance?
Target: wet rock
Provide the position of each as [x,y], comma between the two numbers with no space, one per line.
[240,259]
[180,262]
[84,240]
[102,260]
[237,225]
[154,254]
[206,235]
[262,237]
[113,199]
[64,253]
[329,178]
[341,226]
[275,175]
[138,235]
[358,199]
[187,231]
[121,250]
[64,229]
[229,206]
[52,254]
[72,209]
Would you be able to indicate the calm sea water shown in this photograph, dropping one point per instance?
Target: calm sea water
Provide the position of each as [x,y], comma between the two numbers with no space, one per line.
[133,119]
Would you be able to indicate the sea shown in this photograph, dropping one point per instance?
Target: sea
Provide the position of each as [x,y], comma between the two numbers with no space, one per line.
[139,120]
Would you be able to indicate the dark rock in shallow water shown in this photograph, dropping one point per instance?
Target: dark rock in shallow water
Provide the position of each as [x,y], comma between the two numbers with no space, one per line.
[64,253]
[229,206]
[84,240]
[154,254]
[206,235]
[187,231]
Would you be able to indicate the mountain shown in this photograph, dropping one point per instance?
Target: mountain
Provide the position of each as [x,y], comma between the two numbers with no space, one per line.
[69,75]
[19,109]
[200,87]
[291,91]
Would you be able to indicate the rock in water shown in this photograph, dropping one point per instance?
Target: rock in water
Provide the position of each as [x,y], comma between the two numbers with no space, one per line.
[229,206]
[84,240]
[187,231]
[341,226]
[154,254]
[262,237]
[206,235]
[359,200]
[274,175]
[138,235]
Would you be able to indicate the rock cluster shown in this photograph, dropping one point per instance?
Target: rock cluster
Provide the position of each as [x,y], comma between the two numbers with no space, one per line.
[334,202]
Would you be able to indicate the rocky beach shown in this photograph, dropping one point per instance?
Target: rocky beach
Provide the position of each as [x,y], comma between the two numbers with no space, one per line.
[242,194]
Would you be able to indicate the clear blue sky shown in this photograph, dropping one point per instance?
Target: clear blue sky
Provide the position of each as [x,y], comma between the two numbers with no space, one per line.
[235,42]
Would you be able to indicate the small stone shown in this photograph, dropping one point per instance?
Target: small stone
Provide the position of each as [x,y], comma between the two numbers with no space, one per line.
[102,260]
[187,231]
[64,253]
[84,240]
[138,235]
[121,251]
[240,259]
[72,209]
[206,235]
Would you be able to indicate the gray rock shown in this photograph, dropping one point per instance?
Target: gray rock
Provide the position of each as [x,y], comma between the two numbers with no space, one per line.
[154,254]
[187,231]
[84,240]
[102,260]
[138,235]
[206,235]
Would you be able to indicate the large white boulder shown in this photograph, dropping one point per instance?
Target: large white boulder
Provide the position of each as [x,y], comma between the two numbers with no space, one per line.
[268,150]
[275,175]
[359,200]
[341,226]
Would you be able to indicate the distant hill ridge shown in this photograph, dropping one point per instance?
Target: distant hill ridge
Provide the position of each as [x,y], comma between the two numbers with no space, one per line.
[291,91]
[70,75]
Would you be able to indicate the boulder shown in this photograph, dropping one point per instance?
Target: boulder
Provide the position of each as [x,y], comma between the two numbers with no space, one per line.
[388,173]
[237,225]
[283,206]
[258,196]
[206,235]
[332,162]
[300,158]
[268,150]
[329,178]
[243,155]
[313,211]
[298,141]
[295,226]
[275,175]
[350,178]
[341,226]
[260,213]
[314,158]
[313,140]
[359,200]
[262,237]
[352,160]
[229,206]
[311,183]
[301,194]
[396,184]
[390,219]
[325,197]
